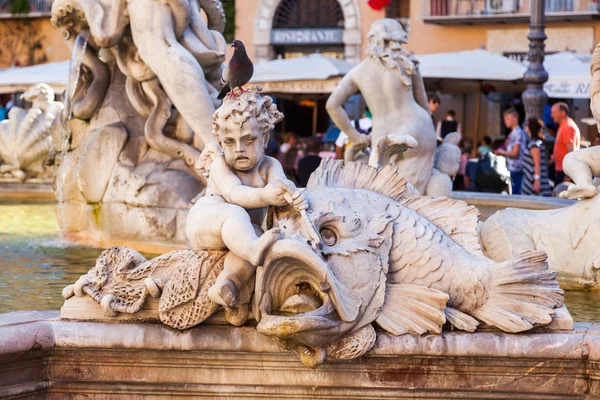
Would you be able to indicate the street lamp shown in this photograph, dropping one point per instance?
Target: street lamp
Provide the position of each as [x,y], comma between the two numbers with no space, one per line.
[534,97]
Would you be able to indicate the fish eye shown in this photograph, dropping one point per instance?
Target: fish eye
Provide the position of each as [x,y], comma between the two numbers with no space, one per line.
[328,237]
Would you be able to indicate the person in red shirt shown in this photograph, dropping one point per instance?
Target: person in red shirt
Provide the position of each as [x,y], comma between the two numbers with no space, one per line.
[568,138]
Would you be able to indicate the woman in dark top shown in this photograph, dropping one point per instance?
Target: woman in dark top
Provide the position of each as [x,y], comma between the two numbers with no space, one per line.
[535,180]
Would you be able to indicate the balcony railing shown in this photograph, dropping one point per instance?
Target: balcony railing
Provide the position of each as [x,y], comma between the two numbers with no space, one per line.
[504,11]
[29,8]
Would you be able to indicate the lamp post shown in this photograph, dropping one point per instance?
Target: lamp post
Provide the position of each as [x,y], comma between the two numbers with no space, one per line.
[534,97]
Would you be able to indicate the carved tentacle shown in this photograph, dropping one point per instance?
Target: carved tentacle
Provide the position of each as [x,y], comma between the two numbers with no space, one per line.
[180,10]
[130,63]
[138,98]
[89,94]
[214,13]
[156,122]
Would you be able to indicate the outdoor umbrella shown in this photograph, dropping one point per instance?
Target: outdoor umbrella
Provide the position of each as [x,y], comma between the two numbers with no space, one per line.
[469,72]
[466,71]
[19,79]
[568,75]
[312,74]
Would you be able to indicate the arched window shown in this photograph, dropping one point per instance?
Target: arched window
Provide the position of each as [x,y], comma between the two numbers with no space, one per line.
[308,14]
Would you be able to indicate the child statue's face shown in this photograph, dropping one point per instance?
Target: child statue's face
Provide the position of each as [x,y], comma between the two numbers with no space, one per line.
[243,147]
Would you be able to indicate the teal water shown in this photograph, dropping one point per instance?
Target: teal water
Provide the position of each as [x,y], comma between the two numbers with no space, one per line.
[35,265]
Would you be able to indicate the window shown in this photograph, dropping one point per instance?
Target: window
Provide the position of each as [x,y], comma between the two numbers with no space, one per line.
[398,9]
[308,14]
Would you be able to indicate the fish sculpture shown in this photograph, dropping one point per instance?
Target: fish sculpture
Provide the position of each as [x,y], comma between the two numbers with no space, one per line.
[386,257]
[389,258]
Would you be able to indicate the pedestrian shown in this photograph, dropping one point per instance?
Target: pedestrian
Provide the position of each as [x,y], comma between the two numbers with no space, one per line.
[514,149]
[535,179]
[363,125]
[289,154]
[485,146]
[462,180]
[434,102]
[568,138]
[310,162]
[448,125]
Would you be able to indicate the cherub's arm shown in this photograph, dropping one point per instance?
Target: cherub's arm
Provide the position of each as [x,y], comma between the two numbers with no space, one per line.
[276,176]
[231,187]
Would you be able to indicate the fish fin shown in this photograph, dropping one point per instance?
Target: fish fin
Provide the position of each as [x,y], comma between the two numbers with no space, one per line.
[523,292]
[346,302]
[386,181]
[456,218]
[353,345]
[412,309]
[460,320]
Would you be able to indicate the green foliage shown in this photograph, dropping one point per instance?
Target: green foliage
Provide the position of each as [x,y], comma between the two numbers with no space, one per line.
[229,7]
[19,6]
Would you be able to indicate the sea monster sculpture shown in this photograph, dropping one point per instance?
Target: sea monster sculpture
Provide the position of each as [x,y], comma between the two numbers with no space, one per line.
[26,136]
[385,256]
[402,130]
[568,235]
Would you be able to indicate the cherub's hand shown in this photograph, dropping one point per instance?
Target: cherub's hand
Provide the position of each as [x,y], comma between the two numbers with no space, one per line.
[274,194]
[297,200]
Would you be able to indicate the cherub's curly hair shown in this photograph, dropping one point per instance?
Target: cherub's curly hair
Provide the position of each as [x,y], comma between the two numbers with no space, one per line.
[240,106]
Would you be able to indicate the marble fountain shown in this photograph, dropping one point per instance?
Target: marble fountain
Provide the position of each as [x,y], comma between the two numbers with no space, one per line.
[369,283]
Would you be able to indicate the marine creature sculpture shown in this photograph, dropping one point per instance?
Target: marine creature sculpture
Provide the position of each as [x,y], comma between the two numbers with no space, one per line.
[568,235]
[26,136]
[388,257]
[143,119]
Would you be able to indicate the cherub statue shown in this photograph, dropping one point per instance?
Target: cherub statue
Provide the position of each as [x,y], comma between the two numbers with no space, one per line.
[242,182]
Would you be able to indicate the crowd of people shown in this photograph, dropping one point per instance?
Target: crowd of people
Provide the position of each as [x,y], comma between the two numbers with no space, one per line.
[527,161]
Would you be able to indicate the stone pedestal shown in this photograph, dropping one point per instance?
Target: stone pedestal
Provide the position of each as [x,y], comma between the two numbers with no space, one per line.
[44,357]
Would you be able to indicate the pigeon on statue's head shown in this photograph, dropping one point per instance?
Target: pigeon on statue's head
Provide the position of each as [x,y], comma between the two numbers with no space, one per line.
[239,70]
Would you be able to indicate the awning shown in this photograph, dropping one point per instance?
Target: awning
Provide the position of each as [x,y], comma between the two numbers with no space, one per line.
[465,71]
[19,79]
[309,74]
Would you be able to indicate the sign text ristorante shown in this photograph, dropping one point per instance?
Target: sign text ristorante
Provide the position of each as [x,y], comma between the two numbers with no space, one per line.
[306,36]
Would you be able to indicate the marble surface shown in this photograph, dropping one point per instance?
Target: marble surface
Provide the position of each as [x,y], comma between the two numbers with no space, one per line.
[52,358]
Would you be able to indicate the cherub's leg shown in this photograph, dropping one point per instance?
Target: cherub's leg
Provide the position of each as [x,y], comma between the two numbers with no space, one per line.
[240,237]
[581,174]
[236,273]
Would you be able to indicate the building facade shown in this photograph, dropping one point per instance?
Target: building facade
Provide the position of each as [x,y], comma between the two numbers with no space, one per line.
[338,28]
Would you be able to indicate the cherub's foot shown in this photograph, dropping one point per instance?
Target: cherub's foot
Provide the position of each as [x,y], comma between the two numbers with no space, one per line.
[260,246]
[579,191]
[237,316]
[223,292]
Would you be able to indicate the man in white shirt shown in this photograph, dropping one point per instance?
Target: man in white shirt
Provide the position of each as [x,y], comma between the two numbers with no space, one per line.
[363,125]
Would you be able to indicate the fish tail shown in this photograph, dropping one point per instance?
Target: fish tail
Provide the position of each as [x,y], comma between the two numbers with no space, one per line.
[524,292]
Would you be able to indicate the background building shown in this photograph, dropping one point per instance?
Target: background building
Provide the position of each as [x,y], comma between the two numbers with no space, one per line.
[338,28]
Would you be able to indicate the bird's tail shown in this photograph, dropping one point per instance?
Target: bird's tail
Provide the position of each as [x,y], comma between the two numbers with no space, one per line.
[524,292]
[226,89]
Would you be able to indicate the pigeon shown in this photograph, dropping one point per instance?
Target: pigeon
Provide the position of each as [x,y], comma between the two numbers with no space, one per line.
[239,70]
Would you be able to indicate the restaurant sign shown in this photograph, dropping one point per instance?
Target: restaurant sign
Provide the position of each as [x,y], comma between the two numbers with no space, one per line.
[306,36]
[306,86]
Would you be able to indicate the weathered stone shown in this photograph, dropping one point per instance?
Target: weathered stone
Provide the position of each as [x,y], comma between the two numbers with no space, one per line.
[95,359]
